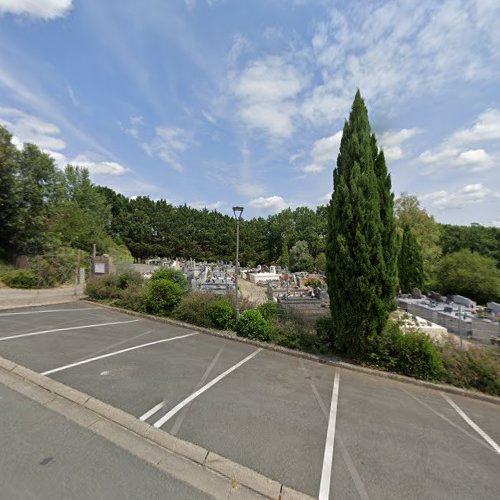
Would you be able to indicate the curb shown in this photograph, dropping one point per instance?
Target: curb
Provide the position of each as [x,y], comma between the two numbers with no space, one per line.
[193,464]
[450,389]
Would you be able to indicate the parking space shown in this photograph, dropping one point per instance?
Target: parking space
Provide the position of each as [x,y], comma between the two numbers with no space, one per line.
[271,412]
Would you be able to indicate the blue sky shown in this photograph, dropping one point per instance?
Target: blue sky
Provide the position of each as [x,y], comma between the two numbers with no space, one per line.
[223,102]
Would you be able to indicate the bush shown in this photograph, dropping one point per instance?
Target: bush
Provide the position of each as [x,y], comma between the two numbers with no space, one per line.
[161,296]
[193,308]
[269,310]
[132,297]
[19,278]
[411,354]
[252,325]
[476,368]
[313,282]
[103,287]
[172,275]
[325,331]
[129,278]
[290,334]
[220,313]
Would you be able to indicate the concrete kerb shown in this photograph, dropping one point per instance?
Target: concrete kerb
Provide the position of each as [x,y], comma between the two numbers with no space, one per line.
[115,425]
[311,357]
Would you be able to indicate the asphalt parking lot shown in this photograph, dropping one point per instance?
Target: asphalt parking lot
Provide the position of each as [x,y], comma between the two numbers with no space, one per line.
[322,430]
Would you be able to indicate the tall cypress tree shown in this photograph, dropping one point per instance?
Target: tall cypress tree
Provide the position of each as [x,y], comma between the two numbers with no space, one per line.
[361,252]
[410,263]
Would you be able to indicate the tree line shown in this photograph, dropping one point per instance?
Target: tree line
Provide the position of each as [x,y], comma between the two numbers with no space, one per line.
[43,208]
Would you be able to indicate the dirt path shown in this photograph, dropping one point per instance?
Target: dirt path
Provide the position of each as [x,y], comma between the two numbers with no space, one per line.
[14,297]
[256,294]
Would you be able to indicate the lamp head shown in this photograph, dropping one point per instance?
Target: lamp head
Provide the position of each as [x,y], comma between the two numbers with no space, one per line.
[237,211]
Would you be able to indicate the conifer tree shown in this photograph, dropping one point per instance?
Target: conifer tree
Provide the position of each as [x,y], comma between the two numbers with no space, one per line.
[361,252]
[410,263]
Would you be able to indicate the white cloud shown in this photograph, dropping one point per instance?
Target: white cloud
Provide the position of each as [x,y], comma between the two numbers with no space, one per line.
[324,152]
[267,89]
[99,167]
[394,50]
[200,205]
[392,141]
[469,194]
[271,203]
[46,9]
[326,198]
[455,149]
[167,144]
[29,128]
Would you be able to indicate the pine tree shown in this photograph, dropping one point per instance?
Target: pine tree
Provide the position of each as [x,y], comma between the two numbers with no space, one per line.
[285,261]
[361,253]
[411,269]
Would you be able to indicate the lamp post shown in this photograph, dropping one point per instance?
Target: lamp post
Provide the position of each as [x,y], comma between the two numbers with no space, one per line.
[237,213]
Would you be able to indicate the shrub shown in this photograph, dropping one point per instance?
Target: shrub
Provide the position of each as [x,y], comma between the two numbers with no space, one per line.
[220,313]
[325,331]
[476,368]
[411,354]
[103,287]
[129,278]
[172,275]
[20,278]
[269,310]
[290,334]
[161,296]
[312,282]
[132,297]
[193,308]
[252,325]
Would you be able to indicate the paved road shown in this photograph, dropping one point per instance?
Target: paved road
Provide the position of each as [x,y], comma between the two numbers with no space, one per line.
[44,456]
[316,428]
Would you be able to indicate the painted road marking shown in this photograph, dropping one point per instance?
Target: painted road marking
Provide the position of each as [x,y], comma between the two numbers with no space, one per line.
[476,427]
[128,349]
[356,478]
[151,412]
[67,329]
[201,390]
[440,415]
[48,311]
[326,472]
[180,418]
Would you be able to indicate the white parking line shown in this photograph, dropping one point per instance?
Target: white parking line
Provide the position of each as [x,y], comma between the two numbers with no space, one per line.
[195,394]
[472,423]
[48,311]
[326,472]
[151,412]
[21,335]
[128,349]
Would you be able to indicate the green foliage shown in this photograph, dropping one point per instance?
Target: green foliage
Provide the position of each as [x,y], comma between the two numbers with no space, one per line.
[103,287]
[320,262]
[269,310]
[426,231]
[412,354]
[129,278]
[300,258]
[221,314]
[172,275]
[475,368]
[19,278]
[470,274]
[313,282]
[193,308]
[294,336]
[361,255]
[410,263]
[252,325]
[161,296]
[132,297]
[482,240]
[325,331]
[285,259]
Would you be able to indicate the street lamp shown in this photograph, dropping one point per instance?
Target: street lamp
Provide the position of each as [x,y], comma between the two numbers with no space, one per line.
[237,213]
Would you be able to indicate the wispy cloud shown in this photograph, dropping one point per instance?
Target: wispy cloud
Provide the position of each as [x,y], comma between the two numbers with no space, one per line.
[270,203]
[469,194]
[168,144]
[324,152]
[392,142]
